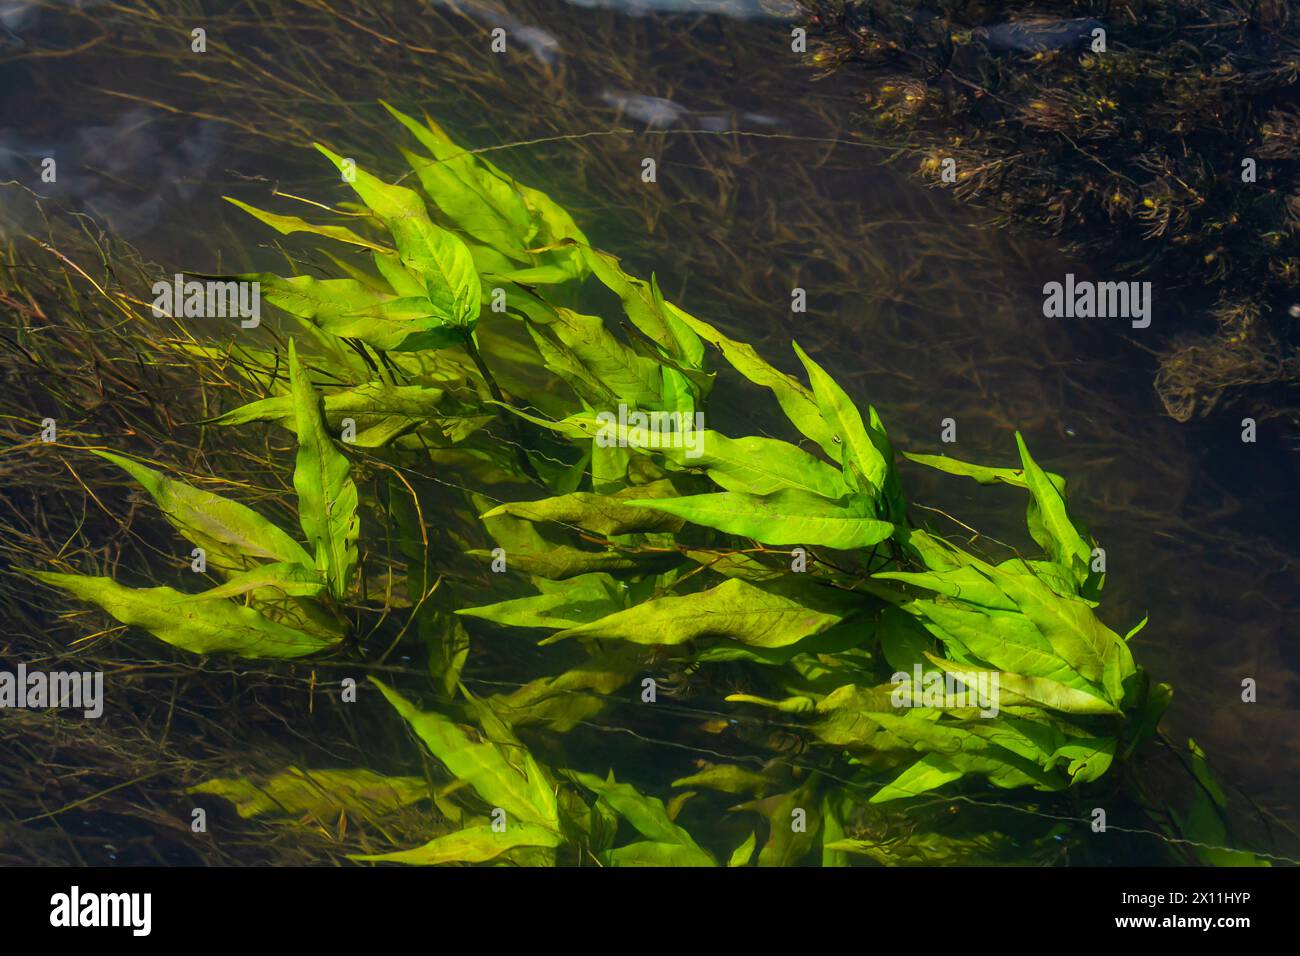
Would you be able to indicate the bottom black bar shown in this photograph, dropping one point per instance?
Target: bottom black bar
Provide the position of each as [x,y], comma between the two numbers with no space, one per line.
[495,905]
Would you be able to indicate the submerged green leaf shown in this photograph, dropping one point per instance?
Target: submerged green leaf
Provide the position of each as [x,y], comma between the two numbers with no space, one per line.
[733,609]
[1050,523]
[581,600]
[203,627]
[502,772]
[859,454]
[794,398]
[439,257]
[1035,690]
[327,496]
[471,845]
[667,844]
[286,225]
[233,536]
[294,580]
[614,514]
[789,516]
[322,794]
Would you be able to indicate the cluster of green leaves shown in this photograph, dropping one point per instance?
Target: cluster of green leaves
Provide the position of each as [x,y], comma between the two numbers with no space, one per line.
[278,600]
[796,561]
[881,595]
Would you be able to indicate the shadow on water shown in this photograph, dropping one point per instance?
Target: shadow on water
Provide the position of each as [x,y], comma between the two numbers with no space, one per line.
[762,187]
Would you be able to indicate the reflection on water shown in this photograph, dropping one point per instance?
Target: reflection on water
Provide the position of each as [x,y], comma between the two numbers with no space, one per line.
[912,303]
[128,174]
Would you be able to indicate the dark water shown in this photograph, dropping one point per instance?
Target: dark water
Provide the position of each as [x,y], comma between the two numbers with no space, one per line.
[763,185]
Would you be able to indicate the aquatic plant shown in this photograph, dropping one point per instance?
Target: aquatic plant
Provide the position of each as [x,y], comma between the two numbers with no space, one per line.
[900,662]
[1155,137]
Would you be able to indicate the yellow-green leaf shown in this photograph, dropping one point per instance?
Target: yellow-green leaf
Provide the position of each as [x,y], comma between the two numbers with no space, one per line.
[733,609]
[786,517]
[327,496]
[322,794]
[471,845]
[203,627]
[233,536]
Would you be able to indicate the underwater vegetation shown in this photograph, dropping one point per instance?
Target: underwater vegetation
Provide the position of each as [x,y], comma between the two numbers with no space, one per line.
[1157,138]
[489,448]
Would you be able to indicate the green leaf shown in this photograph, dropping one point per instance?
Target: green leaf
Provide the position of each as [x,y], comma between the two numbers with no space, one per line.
[1086,760]
[953,751]
[1035,690]
[1056,577]
[758,466]
[929,550]
[374,400]
[1145,719]
[860,454]
[786,517]
[531,215]
[650,818]
[466,187]
[649,853]
[794,398]
[294,580]
[501,772]
[583,599]
[835,805]
[471,845]
[752,464]
[742,854]
[902,640]
[203,627]
[469,209]
[286,225]
[610,515]
[964,583]
[785,845]
[560,361]
[322,794]
[733,609]
[578,694]
[380,412]
[348,308]
[634,379]
[441,259]
[447,643]
[981,473]
[1068,624]
[1206,822]
[929,773]
[1010,642]
[561,562]
[729,778]
[789,705]
[233,536]
[1050,523]
[647,311]
[327,496]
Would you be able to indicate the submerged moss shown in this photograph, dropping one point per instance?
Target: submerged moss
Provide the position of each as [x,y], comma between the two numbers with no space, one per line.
[1158,138]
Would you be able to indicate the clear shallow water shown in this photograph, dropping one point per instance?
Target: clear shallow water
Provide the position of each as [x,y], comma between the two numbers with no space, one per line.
[912,304]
